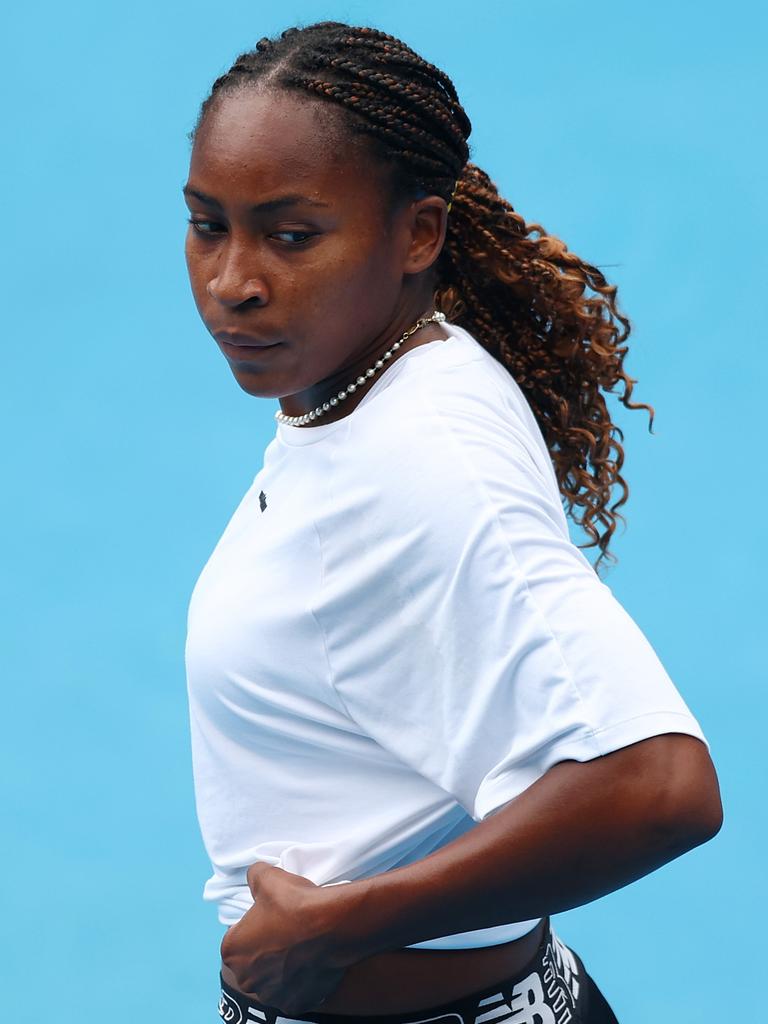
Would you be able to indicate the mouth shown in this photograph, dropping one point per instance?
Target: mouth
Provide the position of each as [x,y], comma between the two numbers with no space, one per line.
[238,340]
[248,353]
[245,348]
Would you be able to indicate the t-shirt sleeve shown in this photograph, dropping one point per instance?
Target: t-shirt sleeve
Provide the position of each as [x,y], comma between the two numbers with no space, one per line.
[465,632]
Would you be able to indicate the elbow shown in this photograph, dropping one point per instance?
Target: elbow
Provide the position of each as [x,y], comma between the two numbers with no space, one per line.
[693,813]
[698,820]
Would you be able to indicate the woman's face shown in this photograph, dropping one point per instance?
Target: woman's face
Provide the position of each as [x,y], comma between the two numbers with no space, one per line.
[290,248]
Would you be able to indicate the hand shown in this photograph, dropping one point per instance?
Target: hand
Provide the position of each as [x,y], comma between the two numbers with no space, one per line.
[281,952]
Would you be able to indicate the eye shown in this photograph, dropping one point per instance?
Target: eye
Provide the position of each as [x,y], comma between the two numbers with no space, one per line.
[197,225]
[304,236]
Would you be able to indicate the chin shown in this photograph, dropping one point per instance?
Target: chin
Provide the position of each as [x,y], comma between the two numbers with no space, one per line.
[251,384]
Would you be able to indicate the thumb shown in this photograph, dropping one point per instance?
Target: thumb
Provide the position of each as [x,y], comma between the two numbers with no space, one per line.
[254,876]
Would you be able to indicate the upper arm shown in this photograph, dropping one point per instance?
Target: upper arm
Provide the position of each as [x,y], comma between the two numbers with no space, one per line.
[684,772]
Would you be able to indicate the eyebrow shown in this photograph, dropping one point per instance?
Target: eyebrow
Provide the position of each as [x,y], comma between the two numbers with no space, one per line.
[265,207]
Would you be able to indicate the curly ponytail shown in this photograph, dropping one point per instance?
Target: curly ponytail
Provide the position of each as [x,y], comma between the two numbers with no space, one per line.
[514,287]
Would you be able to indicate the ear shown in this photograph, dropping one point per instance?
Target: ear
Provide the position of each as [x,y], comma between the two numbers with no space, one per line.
[426,226]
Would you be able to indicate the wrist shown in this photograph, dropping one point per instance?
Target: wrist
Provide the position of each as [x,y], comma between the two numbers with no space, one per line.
[352,922]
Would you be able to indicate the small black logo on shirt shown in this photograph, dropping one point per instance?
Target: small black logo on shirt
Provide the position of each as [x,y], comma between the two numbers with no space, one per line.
[263,500]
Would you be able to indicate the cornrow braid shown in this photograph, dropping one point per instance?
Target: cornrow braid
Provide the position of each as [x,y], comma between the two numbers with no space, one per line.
[517,289]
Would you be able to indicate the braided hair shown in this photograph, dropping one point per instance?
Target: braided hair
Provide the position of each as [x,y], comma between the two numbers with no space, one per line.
[515,288]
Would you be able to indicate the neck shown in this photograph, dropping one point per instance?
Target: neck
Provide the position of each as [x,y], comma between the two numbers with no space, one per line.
[307,401]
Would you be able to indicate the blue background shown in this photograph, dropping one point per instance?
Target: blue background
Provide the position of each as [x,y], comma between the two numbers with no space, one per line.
[633,132]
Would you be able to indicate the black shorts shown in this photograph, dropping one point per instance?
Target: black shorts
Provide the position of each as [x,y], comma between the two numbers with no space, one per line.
[554,988]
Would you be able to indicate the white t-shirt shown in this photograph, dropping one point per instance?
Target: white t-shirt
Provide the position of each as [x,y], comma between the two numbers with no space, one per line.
[395,635]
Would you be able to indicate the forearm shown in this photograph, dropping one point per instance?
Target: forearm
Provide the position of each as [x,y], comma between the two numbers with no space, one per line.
[581,831]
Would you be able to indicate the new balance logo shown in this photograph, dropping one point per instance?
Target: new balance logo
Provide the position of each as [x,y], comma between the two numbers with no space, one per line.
[528,1004]
[229,1011]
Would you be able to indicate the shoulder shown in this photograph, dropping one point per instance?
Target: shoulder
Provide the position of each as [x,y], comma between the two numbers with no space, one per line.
[452,442]
[456,401]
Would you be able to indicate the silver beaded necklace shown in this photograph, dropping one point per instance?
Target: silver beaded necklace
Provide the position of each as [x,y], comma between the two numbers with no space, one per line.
[297,421]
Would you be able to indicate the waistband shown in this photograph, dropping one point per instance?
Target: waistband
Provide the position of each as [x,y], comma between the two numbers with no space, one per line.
[552,984]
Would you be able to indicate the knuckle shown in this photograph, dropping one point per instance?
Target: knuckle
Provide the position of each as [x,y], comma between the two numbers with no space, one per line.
[228,957]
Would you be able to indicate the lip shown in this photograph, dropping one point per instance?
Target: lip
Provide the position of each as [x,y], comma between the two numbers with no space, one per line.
[236,339]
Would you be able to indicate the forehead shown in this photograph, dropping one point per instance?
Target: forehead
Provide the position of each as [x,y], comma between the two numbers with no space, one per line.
[261,141]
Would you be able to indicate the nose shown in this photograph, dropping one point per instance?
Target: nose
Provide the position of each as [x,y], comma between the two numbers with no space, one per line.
[233,284]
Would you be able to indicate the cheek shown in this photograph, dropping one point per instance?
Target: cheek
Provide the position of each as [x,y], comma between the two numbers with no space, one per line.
[201,270]
[194,263]
[349,277]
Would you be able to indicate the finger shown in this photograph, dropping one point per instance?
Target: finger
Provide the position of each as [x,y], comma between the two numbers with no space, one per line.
[298,1007]
[297,1004]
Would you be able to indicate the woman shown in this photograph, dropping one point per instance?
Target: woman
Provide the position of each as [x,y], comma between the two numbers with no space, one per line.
[403,675]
